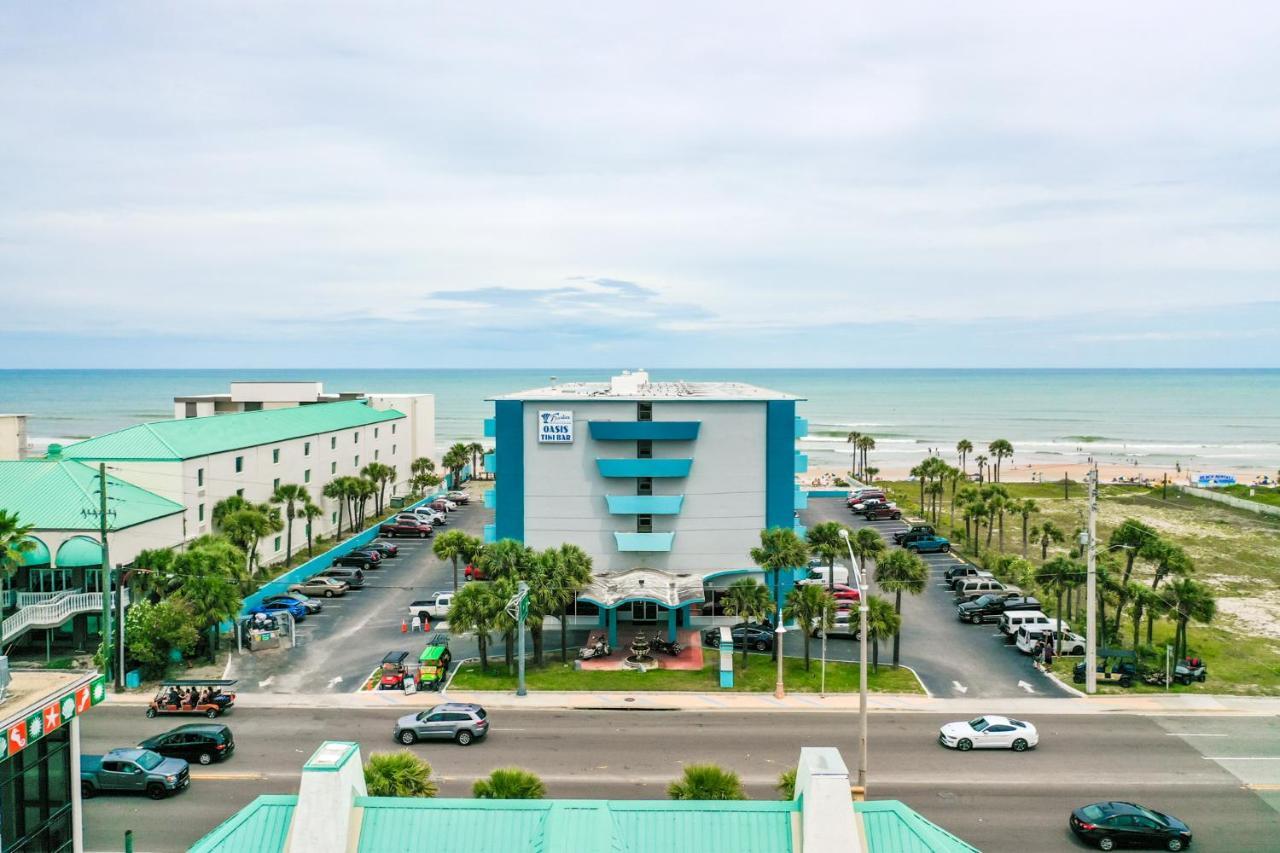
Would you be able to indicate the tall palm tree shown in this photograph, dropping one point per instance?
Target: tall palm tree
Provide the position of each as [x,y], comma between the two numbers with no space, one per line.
[852,438]
[476,610]
[706,782]
[455,459]
[381,475]
[954,477]
[963,448]
[780,549]
[920,473]
[291,496]
[882,623]
[422,475]
[1001,449]
[826,544]
[1133,536]
[1046,534]
[865,443]
[509,783]
[981,462]
[398,774]
[1188,600]
[310,512]
[476,449]
[810,606]
[867,544]
[14,542]
[572,573]
[901,571]
[246,527]
[1057,576]
[206,576]
[336,490]
[455,546]
[749,599]
[1027,507]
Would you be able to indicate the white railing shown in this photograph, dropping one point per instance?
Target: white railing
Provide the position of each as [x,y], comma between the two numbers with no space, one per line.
[26,599]
[52,612]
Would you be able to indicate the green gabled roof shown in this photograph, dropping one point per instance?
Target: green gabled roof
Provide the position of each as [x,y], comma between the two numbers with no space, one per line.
[260,827]
[63,495]
[891,827]
[175,440]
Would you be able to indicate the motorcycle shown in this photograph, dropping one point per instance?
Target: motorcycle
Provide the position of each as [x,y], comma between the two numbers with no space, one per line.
[667,648]
[597,647]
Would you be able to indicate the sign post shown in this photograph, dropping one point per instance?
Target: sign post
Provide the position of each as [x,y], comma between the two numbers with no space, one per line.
[518,609]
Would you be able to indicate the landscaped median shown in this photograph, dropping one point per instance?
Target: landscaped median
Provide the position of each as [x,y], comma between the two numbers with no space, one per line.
[759,677]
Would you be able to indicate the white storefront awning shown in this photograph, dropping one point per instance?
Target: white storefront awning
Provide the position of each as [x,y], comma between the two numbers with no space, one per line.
[609,589]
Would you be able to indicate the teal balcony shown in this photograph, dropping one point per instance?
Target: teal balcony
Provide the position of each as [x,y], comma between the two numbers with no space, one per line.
[644,541]
[644,504]
[802,499]
[644,430]
[490,533]
[644,467]
[802,463]
[491,462]
[490,428]
[491,499]
[802,427]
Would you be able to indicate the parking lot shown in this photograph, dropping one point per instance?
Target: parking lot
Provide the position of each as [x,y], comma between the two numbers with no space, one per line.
[338,647]
[952,658]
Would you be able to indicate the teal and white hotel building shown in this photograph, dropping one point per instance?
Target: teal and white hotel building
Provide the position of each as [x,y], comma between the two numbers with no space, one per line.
[666,485]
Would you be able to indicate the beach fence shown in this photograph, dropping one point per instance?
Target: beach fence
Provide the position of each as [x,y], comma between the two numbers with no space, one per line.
[1230,500]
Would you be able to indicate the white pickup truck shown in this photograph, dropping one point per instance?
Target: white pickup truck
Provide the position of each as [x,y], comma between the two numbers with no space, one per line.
[436,606]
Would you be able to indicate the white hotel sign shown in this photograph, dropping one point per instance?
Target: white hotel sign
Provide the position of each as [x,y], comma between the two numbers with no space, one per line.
[555,427]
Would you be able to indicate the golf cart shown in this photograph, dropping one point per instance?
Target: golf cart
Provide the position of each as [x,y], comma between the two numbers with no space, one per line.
[205,697]
[1186,671]
[391,676]
[1118,665]
[433,663]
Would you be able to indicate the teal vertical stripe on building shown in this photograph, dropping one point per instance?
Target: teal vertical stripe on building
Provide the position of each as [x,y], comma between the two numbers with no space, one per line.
[779,467]
[509,447]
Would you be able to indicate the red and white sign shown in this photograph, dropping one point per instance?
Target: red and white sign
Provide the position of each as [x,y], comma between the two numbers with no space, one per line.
[83,699]
[18,737]
[52,717]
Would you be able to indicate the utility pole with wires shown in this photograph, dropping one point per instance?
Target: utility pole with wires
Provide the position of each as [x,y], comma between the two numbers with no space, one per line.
[1090,537]
[104,517]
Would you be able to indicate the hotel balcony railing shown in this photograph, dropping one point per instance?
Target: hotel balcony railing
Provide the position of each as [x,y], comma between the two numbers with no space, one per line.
[644,467]
[644,504]
[644,541]
[644,430]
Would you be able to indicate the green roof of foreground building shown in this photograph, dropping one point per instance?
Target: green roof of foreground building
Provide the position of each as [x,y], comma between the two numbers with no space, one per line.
[176,440]
[61,494]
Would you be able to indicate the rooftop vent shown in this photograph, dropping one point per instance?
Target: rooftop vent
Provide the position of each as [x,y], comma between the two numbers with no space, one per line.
[630,382]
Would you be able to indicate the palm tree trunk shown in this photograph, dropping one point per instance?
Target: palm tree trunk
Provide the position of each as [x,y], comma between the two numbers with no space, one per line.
[1151,619]
[288,541]
[991,528]
[1002,530]
[1121,601]
[897,608]
[564,617]
[875,655]
[535,633]
[308,540]
[1044,549]
[806,651]
[1060,617]
[1024,537]
[483,639]
[1137,622]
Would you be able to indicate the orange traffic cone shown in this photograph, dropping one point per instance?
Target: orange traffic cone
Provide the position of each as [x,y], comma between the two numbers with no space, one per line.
[404,626]
[426,623]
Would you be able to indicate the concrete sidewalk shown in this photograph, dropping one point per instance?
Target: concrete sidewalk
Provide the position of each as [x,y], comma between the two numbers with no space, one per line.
[1145,704]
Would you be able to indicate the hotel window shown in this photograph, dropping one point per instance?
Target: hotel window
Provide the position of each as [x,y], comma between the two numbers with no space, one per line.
[306,448]
[253,407]
[375,454]
[393,429]
[644,449]
[644,524]
[355,438]
[333,467]
[200,478]
[644,486]
[275,484]
[306,476]
[375,432]
[333,518]
[200,512]
[393,450]
[239,464]
[333,442]
[191,410]
[275,456]
[644,411]
[239,493]
[355,463]
[277,543]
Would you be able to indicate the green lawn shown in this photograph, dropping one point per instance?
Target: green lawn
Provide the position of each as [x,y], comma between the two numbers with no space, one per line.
[1261,494]
[759,677]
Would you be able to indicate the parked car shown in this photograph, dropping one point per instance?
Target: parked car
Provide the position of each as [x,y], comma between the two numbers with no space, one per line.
[991,605]
[204,743]
[133,771]
[977,587]
[404,527]
[840,592]
[1029,638]
[989,732]
[434,607]
[756,636]
[443,505]
[860,506]
[1072,644]
[351,576]
[459,497]
[881,511]
[296,609]
[916,529]
[928,545]
[431,516]
[955,574]
[313,605]
[861,495]
[1114,824]
[1118,665]
[461,722]
[1011,620]
[822,574]
[320,585]
[847,623]
[359,558]
[386,549]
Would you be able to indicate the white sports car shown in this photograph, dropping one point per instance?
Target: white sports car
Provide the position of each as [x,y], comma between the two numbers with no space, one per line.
[989,732]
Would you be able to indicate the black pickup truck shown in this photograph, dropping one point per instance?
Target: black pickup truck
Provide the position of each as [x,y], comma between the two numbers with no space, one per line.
[992,605]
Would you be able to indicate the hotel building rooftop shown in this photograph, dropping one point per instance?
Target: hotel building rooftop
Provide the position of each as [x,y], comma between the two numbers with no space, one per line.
[635,385]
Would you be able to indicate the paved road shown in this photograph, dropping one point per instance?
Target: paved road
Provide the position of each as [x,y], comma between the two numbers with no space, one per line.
[1196,767]
[339,647]
[952,658]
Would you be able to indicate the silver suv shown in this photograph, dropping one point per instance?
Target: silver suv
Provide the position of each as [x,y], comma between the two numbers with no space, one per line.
[458,721]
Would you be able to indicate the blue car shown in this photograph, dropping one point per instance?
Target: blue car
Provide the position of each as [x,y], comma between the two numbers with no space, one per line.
[928,545]
[297,609]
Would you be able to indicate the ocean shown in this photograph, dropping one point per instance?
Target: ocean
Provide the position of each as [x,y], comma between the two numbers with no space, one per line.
[1205,420]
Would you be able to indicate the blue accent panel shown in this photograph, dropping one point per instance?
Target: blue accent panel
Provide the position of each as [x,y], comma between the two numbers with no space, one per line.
[491,498]
[490,427]
[490,533]
[613,627]
[644,504]
[644,541]
[671,624]
[800,529]
[802,427]
[509,446]
[779,467]
[644,430]
[828,493]
[802,462]
[802,498]
[490,462]
[644,467]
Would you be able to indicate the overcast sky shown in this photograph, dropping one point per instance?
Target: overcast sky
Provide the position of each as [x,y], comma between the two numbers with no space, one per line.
[695,184]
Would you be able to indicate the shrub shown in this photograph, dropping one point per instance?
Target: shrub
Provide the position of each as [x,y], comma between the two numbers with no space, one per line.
[398,774]
[509,783]
[706,782]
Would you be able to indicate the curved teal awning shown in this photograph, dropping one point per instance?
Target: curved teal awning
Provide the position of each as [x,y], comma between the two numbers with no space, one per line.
[79,551]
[37,555]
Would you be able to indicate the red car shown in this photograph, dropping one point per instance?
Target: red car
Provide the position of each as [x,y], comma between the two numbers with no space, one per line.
[844,593]
[865,495]
[877,512]
[474,573]
[404,527]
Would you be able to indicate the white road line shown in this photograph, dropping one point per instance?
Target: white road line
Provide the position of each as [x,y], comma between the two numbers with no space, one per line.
[960,687]
[1194,734]
[1241,757]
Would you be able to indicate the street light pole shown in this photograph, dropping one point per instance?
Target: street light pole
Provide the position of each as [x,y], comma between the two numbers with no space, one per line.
[779,691]
[1091,589]
[862,665]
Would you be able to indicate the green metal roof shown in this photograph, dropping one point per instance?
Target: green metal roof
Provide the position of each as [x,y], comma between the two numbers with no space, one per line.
[62,495]
[891,827]
[175,440]
[260,827]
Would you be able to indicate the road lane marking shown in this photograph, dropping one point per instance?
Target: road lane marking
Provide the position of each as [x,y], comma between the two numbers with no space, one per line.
[1194,734]
[1027,687]
[1241,757]
[958,686]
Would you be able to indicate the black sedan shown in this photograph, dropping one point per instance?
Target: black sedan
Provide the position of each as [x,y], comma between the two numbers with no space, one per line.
[196,742]
[1112,825]
[756,636]
[386,549]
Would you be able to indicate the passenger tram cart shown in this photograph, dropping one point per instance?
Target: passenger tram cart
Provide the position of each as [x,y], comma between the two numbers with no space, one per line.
[212,698]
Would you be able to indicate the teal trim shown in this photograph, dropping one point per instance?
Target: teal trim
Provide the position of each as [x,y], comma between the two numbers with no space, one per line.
[38,555]
[490,534]
[491,463]
[509,449]
[779,476]
[644,467]
[828,493]
[671,624]
[491,498]
[802,462]
[800,529]
[802,427]
[802,498]
[632,598]
[78,551]
[892,827]
[644,430]
[644,504]
[644,541]
[723,572]
[490,427]
[613,626]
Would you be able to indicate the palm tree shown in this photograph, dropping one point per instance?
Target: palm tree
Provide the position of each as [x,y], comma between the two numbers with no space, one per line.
[1057,576]
[246,527]
[981,462]
[810,606]
[882,623]
[919,473]
[476,449]
[864,444]
[1188,600]
[336,490]
[748,598]
[290,495]
[963,448]
[870,473]
[455,459]
[867,544]
[476,610]
[852,438]
[935,494]
[1133,536]
[151,577]
[310,512]
[1001,449]
[826,544]
[381,475]
[364,490]
[572,573]
[1026,508]
[14,542]
[706,782]
[398,774]
[455,545]
[955,477]
[780,548]
[787,784]
[422,475]
[1046,534]
[226,506]
[206,577]
[506,558]
[901,571]
[509,783]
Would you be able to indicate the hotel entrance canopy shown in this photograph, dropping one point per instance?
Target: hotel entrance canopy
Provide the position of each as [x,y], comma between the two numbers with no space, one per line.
[609,589]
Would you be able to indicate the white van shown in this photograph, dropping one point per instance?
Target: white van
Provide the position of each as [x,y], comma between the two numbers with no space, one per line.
[1010,622]
[821,574]
[1072,644]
